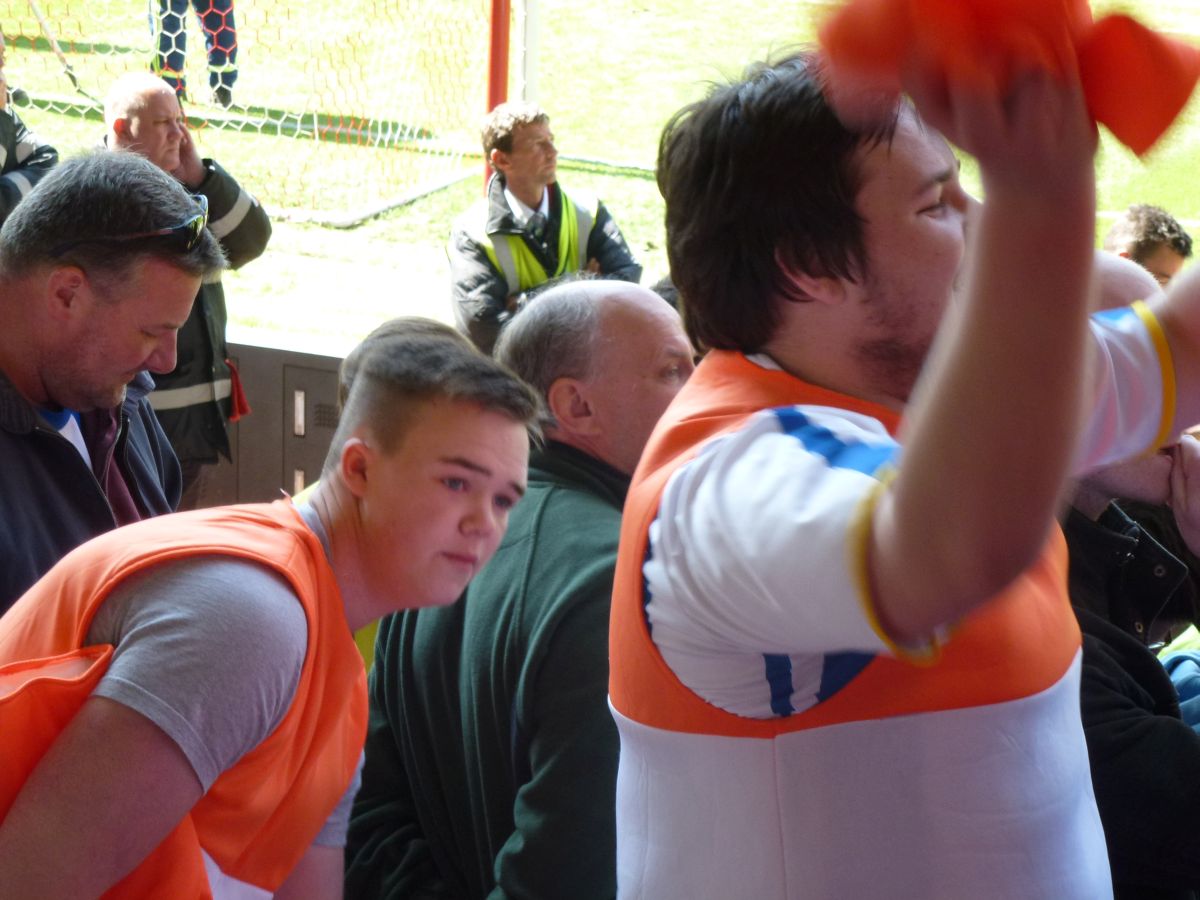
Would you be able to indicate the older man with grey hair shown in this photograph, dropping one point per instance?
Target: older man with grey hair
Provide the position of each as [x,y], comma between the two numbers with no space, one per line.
[491,754]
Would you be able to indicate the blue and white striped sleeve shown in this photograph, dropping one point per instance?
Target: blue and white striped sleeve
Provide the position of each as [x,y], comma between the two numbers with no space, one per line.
[759,544]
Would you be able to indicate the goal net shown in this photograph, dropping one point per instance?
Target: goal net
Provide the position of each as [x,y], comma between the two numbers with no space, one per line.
[327,111]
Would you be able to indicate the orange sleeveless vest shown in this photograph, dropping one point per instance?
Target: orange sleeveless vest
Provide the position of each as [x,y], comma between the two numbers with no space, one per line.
[260,816]
[1015,645]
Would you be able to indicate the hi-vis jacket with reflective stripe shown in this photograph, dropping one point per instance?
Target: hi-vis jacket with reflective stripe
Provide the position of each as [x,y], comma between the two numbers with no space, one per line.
[257,820]
[492,259]
[193,401]
[862,773]
[512,255]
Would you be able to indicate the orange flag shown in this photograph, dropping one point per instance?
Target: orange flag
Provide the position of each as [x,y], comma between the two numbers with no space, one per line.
[1136,81]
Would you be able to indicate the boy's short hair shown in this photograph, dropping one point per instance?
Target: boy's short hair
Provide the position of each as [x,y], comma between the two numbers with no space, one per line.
[397,375]
[392,329]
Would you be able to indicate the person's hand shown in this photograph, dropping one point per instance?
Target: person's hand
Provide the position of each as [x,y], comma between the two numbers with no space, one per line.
[191,170]
[1185,490]
[1034,134]
[593,266]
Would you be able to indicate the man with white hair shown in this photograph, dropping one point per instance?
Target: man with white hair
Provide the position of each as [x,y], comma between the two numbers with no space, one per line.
[195,401]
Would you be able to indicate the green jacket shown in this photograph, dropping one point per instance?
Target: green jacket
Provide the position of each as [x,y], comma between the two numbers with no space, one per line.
[491,756]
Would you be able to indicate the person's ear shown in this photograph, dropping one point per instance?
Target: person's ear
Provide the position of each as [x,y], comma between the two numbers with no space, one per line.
[122,131]
[500,161]
[355,464]
[826,289]
[67,293]
[569,401]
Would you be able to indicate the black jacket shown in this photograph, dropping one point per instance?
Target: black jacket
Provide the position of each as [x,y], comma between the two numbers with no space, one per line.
[1145,761]
[25,160]
[50,502]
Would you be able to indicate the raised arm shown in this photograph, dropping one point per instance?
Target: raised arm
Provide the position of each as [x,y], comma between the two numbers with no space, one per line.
[991,427]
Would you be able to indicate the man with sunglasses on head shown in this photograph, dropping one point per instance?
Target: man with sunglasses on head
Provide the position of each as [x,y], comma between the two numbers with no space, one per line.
[194,401]
[92,294]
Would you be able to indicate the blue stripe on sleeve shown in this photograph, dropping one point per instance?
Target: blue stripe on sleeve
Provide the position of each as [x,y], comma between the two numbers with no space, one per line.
[856,455]
[839,670]
[646,587]
[1115,314]
[779,678]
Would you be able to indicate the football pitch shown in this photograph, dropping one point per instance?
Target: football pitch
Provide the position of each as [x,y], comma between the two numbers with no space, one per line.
[610,74]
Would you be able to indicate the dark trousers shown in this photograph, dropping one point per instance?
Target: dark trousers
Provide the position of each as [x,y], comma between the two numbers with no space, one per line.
[220,41]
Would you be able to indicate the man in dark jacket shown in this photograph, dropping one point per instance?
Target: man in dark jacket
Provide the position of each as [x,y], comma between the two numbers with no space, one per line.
[98,269]
[526,231]
[1134,583]
[195,401]
[491,754]
[24,159]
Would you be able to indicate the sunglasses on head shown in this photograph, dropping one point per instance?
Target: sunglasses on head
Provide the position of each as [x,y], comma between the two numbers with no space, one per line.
[183,237]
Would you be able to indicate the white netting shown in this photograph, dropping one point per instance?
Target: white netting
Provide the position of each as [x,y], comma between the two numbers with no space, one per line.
[337,109]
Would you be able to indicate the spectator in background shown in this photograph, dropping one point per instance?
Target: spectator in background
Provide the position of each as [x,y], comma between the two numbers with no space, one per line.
[1152,238]
[220,46]
[99,266]
[24,159]
[491,752]
[195,401]
[216,751]
[1134,582]
[526,230]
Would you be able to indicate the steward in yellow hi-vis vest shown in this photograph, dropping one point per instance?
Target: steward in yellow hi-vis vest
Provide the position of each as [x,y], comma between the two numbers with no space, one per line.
[494,258]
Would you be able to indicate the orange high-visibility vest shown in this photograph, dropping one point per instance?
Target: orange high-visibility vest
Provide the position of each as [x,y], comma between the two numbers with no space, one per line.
[708,799]
[643,686]
[259,817]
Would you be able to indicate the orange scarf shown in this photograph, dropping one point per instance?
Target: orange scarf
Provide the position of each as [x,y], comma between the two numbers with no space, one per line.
[1135,80]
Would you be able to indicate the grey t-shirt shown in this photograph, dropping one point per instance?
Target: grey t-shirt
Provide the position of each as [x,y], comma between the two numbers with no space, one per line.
[210,650]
